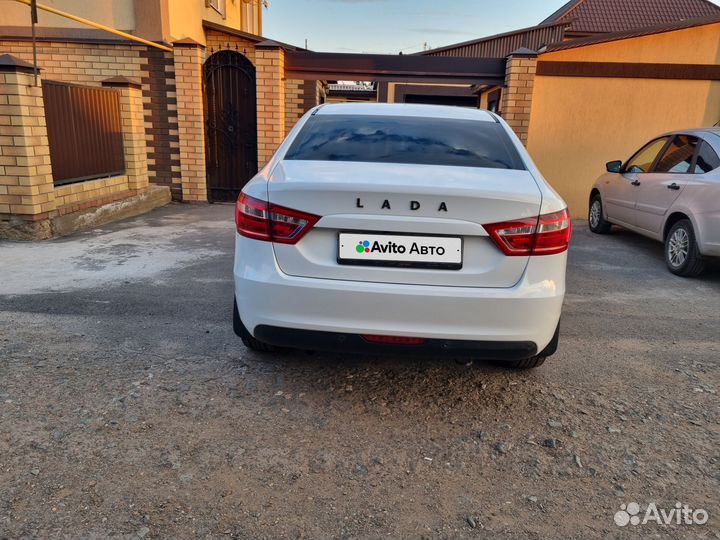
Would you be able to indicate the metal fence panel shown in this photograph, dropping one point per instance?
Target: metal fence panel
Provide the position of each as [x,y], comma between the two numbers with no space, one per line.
[84,132]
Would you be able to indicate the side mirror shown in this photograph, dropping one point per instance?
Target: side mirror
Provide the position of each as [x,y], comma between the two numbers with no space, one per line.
[614,166]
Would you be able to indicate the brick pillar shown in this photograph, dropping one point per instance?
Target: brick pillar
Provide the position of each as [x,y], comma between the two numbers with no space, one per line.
[294,102]
[516,101]
[133,127]
[270,72]
[27,196]
[189,56]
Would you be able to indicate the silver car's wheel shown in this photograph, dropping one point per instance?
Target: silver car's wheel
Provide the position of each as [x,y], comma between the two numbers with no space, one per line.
[682,255]
[595,213]
[678,247]
[596,221]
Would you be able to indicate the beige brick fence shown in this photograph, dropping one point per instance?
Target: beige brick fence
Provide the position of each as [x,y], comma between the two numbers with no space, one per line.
[30,204]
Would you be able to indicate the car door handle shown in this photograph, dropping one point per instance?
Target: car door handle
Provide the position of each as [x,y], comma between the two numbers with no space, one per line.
[674,186]
[635,182]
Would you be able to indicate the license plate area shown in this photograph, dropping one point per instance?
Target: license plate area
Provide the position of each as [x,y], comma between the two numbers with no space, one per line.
[400,250]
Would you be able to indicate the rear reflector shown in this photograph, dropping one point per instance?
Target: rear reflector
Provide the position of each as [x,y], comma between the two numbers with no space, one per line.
[261,220]
[548,234]
[395,340]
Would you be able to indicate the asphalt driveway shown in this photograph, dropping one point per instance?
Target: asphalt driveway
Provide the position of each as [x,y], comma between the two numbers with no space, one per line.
[128,408]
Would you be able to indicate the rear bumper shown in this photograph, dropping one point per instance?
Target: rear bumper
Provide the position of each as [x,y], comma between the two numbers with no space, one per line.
[516,317]
[354,343]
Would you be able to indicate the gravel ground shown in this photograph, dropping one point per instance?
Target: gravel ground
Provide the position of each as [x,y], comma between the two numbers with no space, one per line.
[128,408]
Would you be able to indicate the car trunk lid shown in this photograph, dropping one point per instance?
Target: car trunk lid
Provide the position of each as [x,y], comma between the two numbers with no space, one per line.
[403,199]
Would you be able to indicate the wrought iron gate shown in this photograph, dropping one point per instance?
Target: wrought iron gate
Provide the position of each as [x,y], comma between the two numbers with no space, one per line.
[230,124]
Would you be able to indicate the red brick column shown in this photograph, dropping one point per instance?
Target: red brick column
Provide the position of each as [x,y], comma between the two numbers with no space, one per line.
[189,57]
[516,100]
[270,66]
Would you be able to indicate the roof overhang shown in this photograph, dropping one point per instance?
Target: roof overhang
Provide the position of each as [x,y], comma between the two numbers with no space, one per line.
[486,39]
[393,68]
[634,33]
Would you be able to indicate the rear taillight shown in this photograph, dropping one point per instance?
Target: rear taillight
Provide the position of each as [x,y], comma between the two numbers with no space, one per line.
[264,221]
[394,340]
[545,235]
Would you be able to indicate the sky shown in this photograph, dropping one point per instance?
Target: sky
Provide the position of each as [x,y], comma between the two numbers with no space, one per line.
[390,26]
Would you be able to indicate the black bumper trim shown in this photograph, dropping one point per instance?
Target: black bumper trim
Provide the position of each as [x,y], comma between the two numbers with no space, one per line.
[355,344]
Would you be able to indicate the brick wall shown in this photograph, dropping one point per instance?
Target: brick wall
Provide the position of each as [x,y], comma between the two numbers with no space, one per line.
[90,194]
[315,94]
[160,103]
[270,63]
[516,100]
[81,63]
[217,41]
[91,63]
[294,102]
[135,151]
[29,199]
[191,122]
[26,186]
[93,193]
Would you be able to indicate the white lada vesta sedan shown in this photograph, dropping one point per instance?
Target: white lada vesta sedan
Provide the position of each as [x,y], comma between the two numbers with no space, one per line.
[401,229]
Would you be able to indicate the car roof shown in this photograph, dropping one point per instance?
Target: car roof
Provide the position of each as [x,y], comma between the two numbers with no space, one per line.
[695,131]
[406,109]
[710,135]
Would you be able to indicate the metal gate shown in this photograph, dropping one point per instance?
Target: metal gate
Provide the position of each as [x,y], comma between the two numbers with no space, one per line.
[230,124]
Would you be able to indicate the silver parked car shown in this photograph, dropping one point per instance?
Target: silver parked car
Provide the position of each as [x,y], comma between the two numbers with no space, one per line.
[670,191]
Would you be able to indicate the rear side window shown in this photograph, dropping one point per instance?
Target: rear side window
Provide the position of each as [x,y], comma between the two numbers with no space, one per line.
[707,159]
[401,139]
[678,156]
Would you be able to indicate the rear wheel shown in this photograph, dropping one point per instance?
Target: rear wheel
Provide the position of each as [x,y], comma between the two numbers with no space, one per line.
[682,253]
[539,360]
[244,334]
[529,363]
[596,220]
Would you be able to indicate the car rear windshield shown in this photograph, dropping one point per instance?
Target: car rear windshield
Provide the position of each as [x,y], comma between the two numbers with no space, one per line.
[402,139]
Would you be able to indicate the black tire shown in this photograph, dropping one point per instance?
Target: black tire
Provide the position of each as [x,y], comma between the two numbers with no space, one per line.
[528,363]
[682,254]
[596,218]
[539,360]
[244,334]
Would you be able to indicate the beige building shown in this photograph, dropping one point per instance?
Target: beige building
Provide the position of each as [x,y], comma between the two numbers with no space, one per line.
[156,20]
[601,98]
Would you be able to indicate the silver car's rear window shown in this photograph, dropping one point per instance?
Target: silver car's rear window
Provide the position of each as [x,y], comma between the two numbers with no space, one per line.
[402,139]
